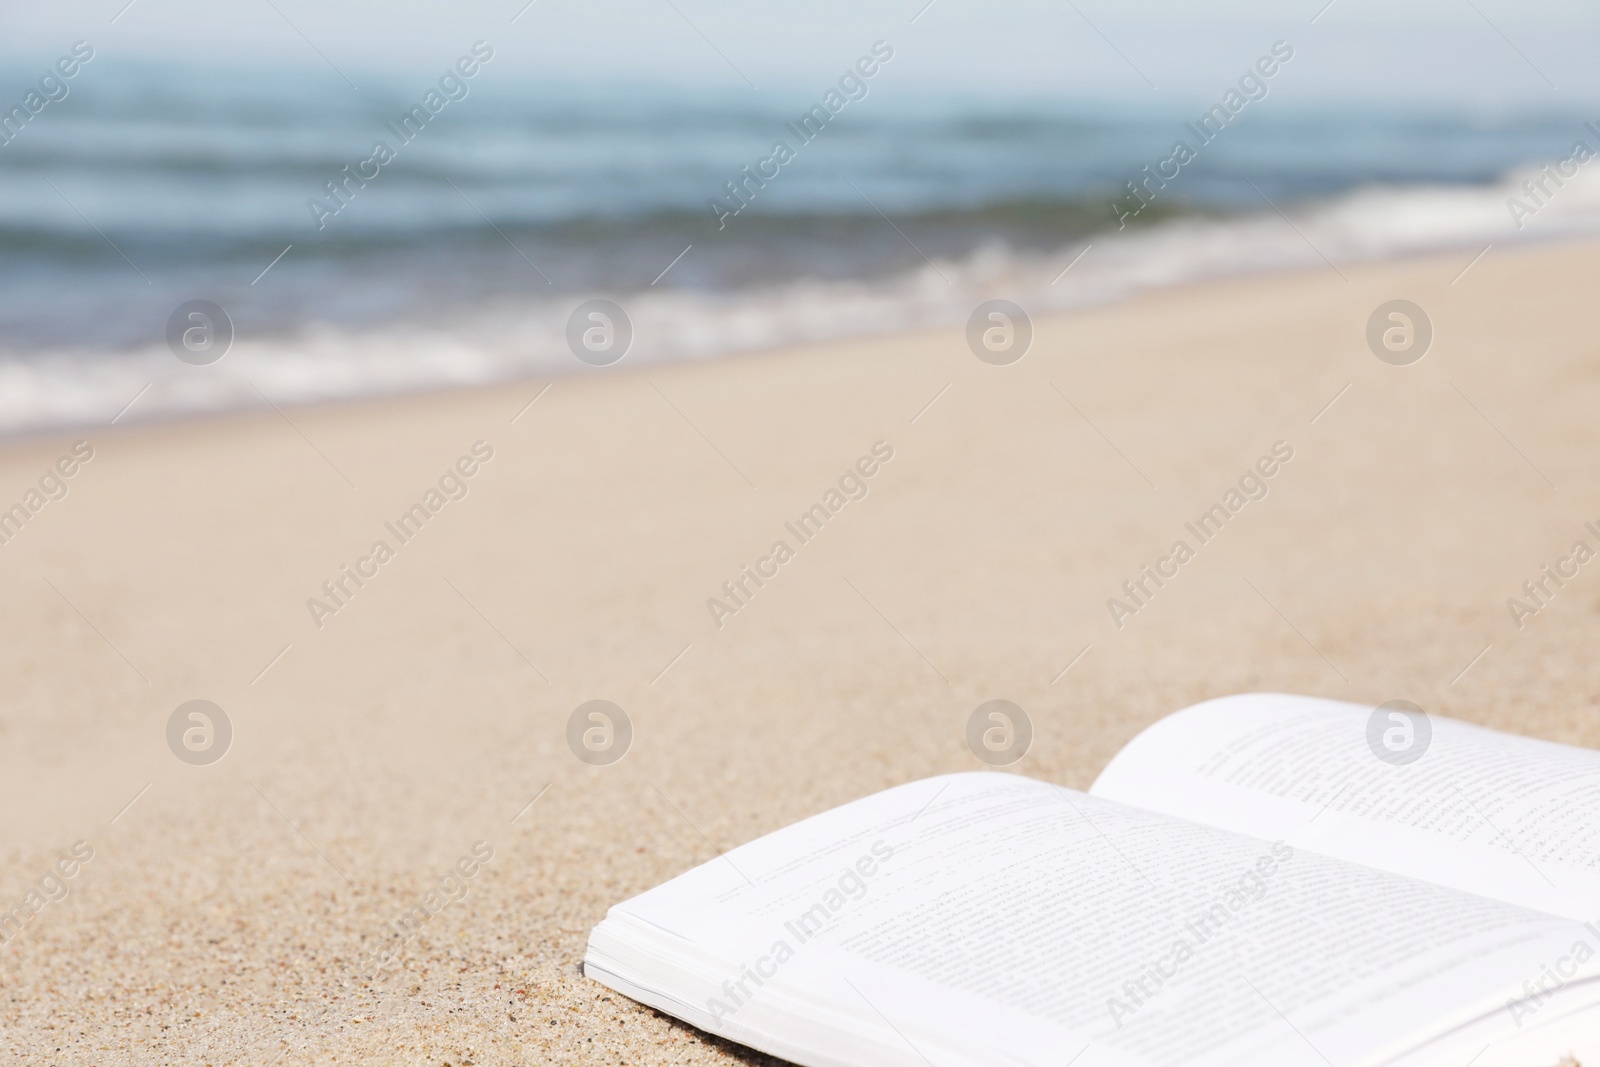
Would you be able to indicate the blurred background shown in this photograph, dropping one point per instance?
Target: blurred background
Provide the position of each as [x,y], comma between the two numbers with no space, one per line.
[984,159]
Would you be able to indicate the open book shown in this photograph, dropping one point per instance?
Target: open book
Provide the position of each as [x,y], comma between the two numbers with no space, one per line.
[1256,880]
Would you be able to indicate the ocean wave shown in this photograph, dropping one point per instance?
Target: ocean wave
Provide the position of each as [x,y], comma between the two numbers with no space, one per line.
[505,336]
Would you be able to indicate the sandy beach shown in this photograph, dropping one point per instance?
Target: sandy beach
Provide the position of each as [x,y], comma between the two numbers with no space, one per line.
[415,724]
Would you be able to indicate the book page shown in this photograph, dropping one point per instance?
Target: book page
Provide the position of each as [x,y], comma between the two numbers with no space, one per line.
[1510,817]
[990,918]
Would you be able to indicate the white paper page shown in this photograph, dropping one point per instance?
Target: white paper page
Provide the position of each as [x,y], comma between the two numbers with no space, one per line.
[1509,817]
[989,918]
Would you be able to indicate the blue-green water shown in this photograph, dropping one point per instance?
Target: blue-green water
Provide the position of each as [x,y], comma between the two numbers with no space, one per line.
[151,185]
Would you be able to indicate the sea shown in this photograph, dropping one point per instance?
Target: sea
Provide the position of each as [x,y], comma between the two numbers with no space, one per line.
[461,258]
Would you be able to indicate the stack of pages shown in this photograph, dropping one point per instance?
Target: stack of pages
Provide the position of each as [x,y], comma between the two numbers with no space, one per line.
[1257,880]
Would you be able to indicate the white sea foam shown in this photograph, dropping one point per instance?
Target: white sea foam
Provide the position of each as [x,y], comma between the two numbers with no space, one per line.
[504,341]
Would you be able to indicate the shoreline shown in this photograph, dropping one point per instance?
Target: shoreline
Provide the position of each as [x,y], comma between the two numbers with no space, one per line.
[567,368]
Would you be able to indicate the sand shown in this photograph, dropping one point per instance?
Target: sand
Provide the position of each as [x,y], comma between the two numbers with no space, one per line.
[230,910]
